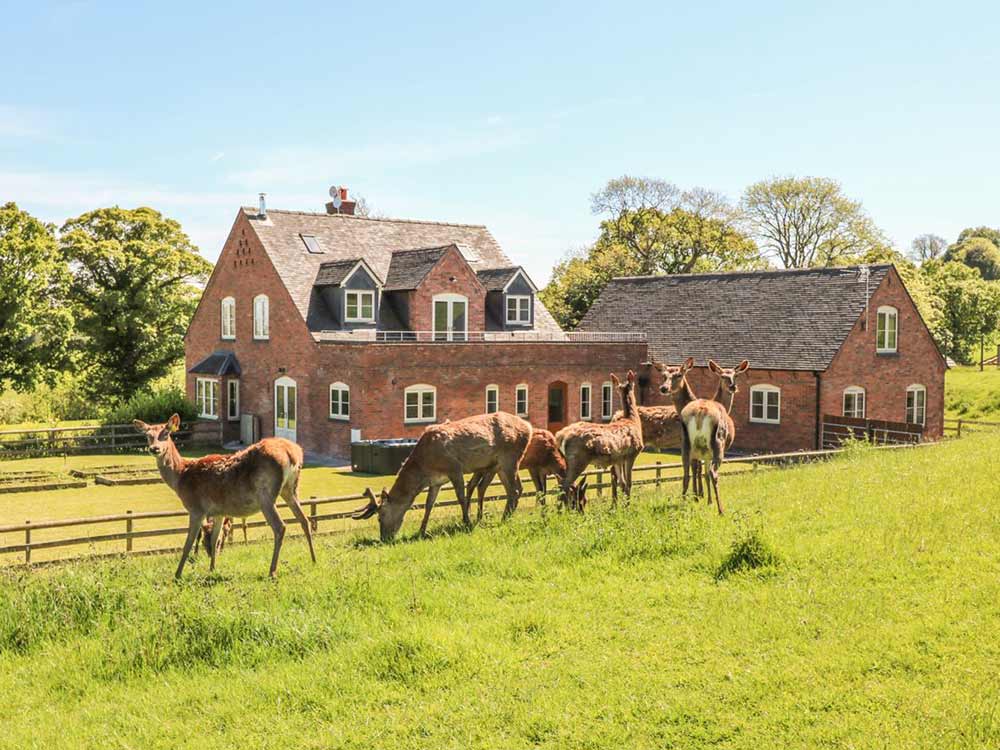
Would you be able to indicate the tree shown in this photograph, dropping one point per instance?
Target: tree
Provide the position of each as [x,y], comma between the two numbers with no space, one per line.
[977,251]
[807,221]
[927,247]
[967,307]
[135,286]
[35,322]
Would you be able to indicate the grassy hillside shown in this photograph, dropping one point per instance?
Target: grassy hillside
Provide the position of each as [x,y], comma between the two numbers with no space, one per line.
[852,604]
[971,394]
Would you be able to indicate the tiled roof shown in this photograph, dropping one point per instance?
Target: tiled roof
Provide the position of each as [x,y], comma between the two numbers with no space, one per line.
[495,279]
[409,267]
[333,272]
[781,320]
[345,237]
[219,364]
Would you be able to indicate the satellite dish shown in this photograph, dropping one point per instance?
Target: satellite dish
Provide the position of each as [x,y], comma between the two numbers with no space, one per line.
[335,194]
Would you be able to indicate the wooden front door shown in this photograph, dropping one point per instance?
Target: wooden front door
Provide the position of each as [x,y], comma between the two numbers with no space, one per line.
[557,406]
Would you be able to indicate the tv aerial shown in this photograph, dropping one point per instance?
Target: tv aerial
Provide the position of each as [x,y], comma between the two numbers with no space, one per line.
[335,195]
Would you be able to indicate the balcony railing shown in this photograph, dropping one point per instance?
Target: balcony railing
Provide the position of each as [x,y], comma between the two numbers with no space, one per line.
[477,337]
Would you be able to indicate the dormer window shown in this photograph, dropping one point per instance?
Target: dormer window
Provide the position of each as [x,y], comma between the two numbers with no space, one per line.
[518,309]
[359,307]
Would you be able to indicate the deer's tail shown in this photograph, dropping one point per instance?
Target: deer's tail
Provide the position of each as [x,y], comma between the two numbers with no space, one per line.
[291,460]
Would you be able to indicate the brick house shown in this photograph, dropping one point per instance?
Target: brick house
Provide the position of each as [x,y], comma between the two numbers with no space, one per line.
[329,327]
[826,342]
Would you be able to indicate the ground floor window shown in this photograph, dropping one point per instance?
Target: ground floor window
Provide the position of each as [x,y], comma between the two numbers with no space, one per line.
[521,401]
[916,404]
[420,403]
[233,400]
[585,401]
[340,401]
[492,399]
[854,402]
[765,404]
[206,396]
[607,401]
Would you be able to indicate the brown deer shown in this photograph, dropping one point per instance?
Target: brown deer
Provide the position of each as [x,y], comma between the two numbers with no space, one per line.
[616,444]
[541,460]
[709,430]
[483,443]
[661,425]
[236,485]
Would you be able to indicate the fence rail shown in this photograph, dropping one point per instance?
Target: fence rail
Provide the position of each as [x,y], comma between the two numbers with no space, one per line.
[319,509]
[113,438]
[958,427]
[474,337]
[838,429]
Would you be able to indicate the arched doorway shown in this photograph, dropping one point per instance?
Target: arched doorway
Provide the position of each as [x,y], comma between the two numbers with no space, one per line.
[557,405]
[285,408]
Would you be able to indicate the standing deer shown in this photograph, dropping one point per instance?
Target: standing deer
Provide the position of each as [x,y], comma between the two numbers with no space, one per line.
[483,443]
[709,430]
[541,459]
[661,425]
[616,444]
[239,485]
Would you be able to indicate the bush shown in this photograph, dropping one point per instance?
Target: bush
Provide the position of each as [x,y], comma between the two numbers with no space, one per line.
[48,404]
[750,552]
[154,406]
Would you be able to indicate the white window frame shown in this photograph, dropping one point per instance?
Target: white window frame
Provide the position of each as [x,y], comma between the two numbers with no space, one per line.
[342,389]
[360,294]
[916,388]
[206,396]
[518,319]
[607,400]
[887,310]
[517,400]
[420,389]
[586,402]
[765,388]
[228,332]
[233,399]
[856,391]
[261,318]
[450,333]
[493,390]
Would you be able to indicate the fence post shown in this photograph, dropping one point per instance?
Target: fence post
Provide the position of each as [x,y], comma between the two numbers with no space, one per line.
[27,543]
[114,434]
[657,474]
[128,531]
[312,514]
[958,430]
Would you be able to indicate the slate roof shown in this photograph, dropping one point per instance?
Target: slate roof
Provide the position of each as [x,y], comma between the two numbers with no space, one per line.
[344,237]
[332,273]
[779,320]
[409,267]
[219,364]
[495,279]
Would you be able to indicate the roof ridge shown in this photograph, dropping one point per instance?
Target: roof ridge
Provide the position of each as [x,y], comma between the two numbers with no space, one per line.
[253,211]
[768,272]
[421,249]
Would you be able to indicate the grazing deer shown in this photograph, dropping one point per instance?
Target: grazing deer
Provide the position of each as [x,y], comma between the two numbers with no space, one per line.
[542,459]
[237,485]
[709,430]
[616,444]
[483,443]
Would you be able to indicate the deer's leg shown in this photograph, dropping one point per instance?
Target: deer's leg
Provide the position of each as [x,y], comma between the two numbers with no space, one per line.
[213,542]
[513,487]
[538,478]
[473,486]
[484,484]
[273,519]
[292,500]
[432,493]
[458,482]
[194,526]
[685,460]
[244,530]
[717,452]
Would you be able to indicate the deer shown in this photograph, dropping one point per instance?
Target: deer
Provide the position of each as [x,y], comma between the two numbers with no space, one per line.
[482,443]
[616,444]
[708,430]
[237,485]
[541,460]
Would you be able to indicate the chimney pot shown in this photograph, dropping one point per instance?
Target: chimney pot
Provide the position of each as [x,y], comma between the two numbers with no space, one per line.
[347,206]
[262,210]
[343,193]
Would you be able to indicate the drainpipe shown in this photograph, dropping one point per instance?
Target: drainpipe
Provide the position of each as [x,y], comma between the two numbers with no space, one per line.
[819,416]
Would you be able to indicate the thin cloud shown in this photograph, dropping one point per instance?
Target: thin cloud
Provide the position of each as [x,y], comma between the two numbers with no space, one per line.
[217,156]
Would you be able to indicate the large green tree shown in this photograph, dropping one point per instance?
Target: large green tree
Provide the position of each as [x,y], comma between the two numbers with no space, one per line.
[650,227]
[979,249]
[807,221]
[35,321]
[135,285]
[967,308]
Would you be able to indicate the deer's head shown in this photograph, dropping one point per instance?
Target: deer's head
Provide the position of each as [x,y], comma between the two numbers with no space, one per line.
[390,513]
[673,376]
[728,375]
[158,435]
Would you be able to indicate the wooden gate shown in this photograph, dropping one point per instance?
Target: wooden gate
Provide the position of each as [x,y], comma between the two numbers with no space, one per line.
[837,429]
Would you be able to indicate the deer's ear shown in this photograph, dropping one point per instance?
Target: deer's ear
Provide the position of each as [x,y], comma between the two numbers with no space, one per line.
[140,425]
[631,376]
[688,363]
[714,367]
[174,423]
[615,380]
[744,366]
[384,496]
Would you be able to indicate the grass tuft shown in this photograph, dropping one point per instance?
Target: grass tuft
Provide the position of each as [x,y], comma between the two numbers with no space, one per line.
[750,552]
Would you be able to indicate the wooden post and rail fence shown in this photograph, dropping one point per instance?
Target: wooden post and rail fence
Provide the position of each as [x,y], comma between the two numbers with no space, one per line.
[95,438]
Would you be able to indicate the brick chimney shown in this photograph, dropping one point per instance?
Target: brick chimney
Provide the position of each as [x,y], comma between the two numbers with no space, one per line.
[346,204]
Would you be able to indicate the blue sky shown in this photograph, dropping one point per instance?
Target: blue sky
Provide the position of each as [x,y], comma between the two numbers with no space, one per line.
[509,115]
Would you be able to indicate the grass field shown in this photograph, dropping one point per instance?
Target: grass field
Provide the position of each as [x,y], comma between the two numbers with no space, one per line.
[971,394]
[852,604]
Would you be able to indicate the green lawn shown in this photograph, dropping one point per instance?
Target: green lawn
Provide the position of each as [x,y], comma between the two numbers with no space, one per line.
[971,394]
[866,615]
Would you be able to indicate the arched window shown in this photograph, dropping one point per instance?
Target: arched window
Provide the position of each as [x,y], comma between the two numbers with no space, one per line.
[765,404]
[521,400]
[585,404]
[420,403]
[886,330]
[229,318]
[607,400]
[854,402]
[492,399]
[261,317]
[340,401]
[916,404]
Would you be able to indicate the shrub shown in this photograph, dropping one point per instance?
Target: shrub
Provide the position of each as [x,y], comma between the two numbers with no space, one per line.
[154,406]
[749,552]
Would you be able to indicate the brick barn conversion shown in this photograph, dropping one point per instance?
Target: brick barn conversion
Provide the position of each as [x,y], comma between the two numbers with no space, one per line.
[329,327]
[822,344]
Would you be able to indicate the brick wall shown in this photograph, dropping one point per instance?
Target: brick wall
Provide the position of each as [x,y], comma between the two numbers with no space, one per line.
[885,377]
[451,275]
